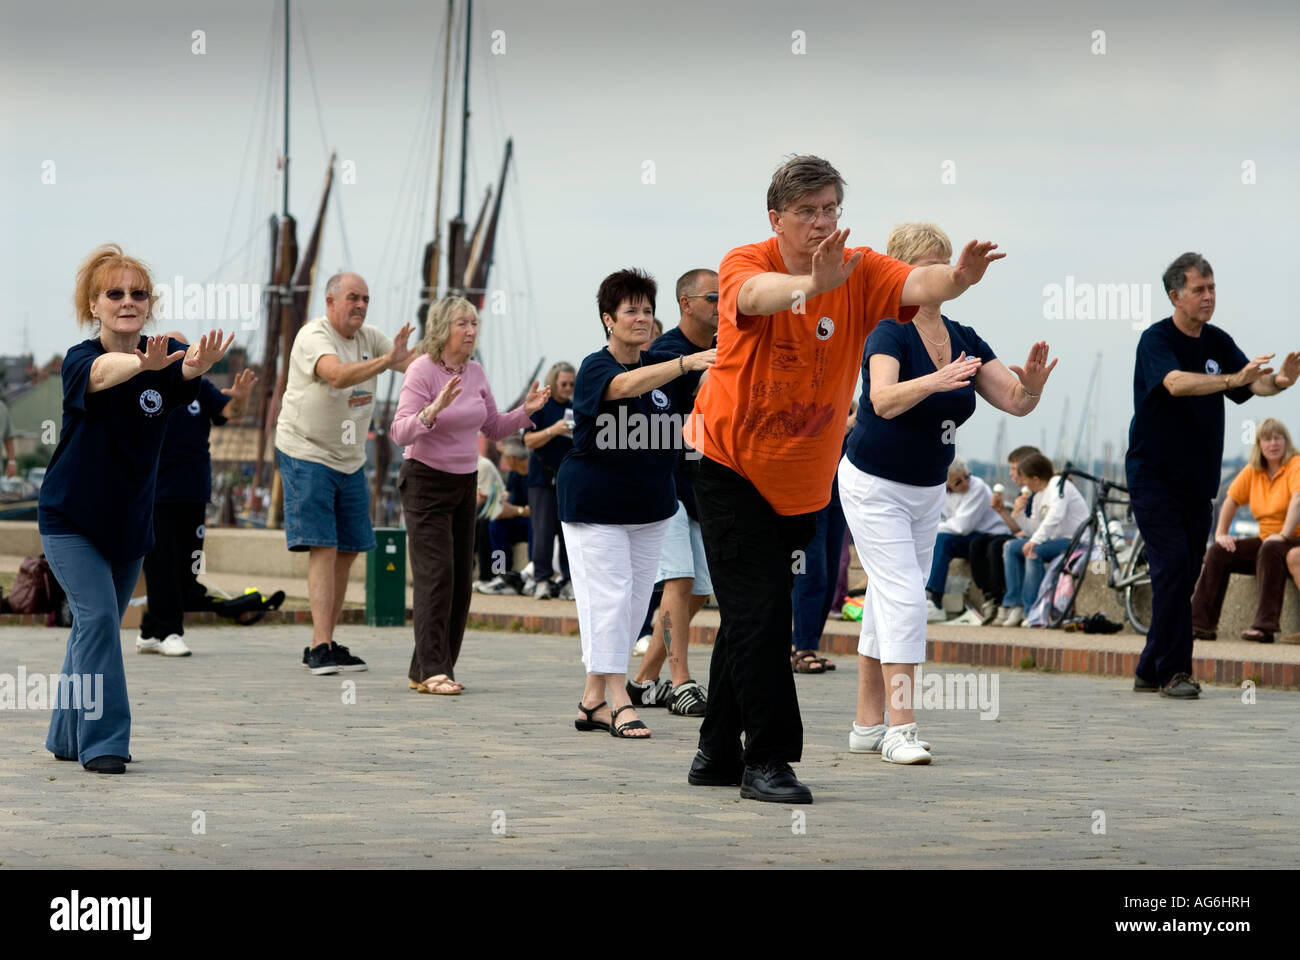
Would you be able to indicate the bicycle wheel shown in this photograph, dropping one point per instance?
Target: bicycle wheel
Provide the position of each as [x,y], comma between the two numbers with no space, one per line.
[1137,595]
[1069,576]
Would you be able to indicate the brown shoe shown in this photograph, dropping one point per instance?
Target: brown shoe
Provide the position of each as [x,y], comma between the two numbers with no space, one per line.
[1200,634]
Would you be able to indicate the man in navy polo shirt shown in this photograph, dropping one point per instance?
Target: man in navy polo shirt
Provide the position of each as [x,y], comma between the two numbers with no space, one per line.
[1184,367]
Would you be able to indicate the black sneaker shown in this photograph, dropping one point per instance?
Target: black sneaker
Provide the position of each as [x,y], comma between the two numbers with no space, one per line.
[347,663]
[649,694]
[106,764]
[688,700]
[321,661]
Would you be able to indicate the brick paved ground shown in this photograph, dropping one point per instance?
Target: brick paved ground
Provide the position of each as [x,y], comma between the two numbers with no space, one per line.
[288,775]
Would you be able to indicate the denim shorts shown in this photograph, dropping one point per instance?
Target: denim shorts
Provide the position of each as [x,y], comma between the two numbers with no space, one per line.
[325,508]
[683,553]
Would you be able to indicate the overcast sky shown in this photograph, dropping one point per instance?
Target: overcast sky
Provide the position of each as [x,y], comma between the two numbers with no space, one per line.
[1001,121]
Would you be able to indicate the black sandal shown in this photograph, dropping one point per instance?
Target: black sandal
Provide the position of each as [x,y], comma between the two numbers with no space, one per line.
[807,661]
[590,724]
[617,731]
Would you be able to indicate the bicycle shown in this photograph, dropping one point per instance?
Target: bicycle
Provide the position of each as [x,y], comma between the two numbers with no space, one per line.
[1127,576]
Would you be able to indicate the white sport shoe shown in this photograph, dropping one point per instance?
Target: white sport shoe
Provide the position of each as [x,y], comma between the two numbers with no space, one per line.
[174,646]
[868,739]
[900,745]
[968,618]
[1001,618]
[1014,616]
[542,591]
[934,614]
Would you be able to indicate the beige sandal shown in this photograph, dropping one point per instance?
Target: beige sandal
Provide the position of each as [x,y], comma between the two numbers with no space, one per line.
[438,685]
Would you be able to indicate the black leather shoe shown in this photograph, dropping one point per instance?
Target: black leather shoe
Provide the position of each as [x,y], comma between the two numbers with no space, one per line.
[1145,686]
[106,764]
[774,782]
[706,772]
[1181,687]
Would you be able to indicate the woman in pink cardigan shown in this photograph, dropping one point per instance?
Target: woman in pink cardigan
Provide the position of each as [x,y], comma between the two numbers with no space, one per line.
[445,403]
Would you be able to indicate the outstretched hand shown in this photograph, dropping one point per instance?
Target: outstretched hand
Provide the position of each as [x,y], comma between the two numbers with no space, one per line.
[1033,375]
[957,374]
[398,355]
[1251,372]
[242,388]
[829,268]
[974,260]
[156,356]
[1290,371]
[536,398]
[202,355]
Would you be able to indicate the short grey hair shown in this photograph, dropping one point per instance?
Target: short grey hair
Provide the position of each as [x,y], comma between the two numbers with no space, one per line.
[958,468]
[800,176]
[1176,276]
[513,446]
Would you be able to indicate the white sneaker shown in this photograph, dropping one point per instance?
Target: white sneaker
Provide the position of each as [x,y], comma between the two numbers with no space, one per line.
[173,646]
[934,614]
[868,739]
[566,591]
[143,645]
[1014,616]
[900,745]
[1001,619]
[989,610]
[642,646]
[542,591]
[969,618]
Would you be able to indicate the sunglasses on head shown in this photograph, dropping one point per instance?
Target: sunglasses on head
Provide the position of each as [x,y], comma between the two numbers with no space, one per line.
[117,293]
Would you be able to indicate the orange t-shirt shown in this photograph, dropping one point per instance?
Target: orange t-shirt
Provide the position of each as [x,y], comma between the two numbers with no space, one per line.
[1268,499]
[773,407]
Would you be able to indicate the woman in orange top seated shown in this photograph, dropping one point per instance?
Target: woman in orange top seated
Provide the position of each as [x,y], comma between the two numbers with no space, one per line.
[1270,484]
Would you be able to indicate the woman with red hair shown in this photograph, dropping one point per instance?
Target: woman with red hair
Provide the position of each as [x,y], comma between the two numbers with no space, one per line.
[96,505]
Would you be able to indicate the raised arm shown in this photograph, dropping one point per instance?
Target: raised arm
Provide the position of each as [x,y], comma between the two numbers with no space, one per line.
[1272,384]
[1181,383]
[769,293]
[940,282]
[340,375]
[889,398]
[1015,390]
[633,383]
[114,368]
[536,439]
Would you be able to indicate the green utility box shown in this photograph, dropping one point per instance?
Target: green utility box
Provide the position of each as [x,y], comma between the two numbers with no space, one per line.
[386,579]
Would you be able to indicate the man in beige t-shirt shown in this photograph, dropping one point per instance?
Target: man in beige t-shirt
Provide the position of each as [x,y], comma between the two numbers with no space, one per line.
[320,442]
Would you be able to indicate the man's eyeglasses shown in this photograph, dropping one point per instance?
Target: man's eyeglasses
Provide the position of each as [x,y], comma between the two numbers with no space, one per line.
[711,297]
[117,293]
[810,214]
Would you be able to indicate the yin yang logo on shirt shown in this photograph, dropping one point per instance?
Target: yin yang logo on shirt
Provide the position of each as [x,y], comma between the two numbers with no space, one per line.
[200,530]
[151,402]
[1211,366]
[659,398]
[193,408]
[825,328]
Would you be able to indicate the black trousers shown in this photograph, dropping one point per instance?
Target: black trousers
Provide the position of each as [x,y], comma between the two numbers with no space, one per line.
[545,515]
[171,569]
[986,566]
[1175,528]
[749,547]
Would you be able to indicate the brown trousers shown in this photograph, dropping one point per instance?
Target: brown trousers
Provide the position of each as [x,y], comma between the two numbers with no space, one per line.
[1266,560]
[439,509]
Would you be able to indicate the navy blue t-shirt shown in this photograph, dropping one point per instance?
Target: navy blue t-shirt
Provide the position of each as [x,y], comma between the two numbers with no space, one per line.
[100,481]
[620,469]
[184,466]
[517,487]
[1179,440]
[916,446]
[544,462]
[684,387]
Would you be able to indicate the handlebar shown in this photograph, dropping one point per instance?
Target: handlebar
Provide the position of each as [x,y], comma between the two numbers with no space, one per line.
[1070,470]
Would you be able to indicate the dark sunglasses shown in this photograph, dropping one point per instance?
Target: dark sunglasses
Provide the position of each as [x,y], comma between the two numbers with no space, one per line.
[711,297]
[117,293]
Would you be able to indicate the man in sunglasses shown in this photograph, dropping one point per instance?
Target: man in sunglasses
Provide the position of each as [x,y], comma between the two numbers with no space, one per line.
[794,315]
[683,569]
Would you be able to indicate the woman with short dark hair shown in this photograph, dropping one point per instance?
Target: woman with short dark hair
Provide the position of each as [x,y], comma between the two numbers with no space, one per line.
[616,491]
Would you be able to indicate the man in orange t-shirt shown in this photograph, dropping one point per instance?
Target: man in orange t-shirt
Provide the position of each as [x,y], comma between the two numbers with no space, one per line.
[794,315]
